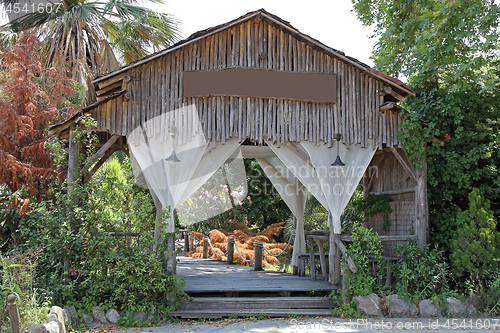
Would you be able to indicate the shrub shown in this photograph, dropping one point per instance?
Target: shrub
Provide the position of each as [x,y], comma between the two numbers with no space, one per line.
[421,273]
[476,245]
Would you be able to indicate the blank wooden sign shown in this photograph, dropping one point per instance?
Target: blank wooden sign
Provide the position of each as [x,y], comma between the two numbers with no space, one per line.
[261,83]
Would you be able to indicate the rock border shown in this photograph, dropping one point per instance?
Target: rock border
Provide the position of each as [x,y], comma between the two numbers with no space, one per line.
[394,307]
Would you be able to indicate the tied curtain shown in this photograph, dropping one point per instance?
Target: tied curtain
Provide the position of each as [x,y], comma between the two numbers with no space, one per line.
[333,186]
[293,193]
[174,182]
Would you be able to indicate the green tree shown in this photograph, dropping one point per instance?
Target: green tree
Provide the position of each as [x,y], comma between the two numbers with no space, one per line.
[476,245]
[448,52]
[82,35]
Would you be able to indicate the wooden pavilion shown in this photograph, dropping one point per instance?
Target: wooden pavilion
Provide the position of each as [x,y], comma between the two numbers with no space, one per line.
[257,79]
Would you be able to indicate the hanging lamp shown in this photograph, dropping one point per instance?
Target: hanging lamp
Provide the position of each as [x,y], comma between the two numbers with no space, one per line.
[338,161]
[173,156]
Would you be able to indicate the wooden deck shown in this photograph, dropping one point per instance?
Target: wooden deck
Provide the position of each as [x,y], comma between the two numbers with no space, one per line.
[211,277]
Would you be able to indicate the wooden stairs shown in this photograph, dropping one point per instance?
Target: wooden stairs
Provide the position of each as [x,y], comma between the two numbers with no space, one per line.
[223,291]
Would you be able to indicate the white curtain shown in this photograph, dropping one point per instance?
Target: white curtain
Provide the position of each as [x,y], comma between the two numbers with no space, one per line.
[218,184]
[167,179]
[293,193]
[297,161]
[338,183]
[332,186]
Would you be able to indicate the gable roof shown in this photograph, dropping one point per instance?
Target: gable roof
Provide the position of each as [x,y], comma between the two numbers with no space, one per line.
[280,22]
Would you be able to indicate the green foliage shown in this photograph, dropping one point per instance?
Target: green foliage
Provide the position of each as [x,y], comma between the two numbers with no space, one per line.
[81,262]
[17,279]
[373,205]
[447,51]
[488,300]
[430,35]
[343,307]
[365,248]
[422,272]
[476,245]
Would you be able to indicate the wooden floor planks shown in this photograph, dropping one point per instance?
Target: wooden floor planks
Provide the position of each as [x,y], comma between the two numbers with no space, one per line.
[214,276]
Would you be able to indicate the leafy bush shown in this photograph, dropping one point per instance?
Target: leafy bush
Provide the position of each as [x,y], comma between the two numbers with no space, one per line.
[421,273]
[364,249]
[476,245]
[81,263]
[17,279]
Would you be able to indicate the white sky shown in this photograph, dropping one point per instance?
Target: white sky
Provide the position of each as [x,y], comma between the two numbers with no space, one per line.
[329,21]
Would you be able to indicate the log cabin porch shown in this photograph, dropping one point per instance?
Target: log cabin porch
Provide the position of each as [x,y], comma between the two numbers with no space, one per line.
[142,100]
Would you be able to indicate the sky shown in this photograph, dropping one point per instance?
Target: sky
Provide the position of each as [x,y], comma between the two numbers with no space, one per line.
[330,21]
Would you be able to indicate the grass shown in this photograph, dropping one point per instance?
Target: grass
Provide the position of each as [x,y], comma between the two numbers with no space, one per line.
[279,268]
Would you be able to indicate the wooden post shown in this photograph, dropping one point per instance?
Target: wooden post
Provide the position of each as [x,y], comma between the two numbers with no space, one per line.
[205,247]
[186,241]
[422,218]
[334,255]
[258,246]
[170,256]
[312,261]
[191,242]
[322,259]
[230,251]
[13,314]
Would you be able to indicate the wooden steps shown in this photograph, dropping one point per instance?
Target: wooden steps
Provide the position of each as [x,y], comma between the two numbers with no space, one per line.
[220,290]
[278,307]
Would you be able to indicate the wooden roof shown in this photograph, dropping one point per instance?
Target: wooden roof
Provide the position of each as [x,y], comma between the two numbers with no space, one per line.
[397,84]
[364,106]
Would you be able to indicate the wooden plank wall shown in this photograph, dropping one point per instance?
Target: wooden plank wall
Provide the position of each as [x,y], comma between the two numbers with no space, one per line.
[257,44]
[391,178]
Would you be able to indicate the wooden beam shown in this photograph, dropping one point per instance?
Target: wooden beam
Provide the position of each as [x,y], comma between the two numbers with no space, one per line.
[343,249]
[384,238]
[256,151]
[389,91]
[109,88]
[387,106]
[96,166]
[100,153]
[393,192]
[111,80]
[404,164]
[372,177]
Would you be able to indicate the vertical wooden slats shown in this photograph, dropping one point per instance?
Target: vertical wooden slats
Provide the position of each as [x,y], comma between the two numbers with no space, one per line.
[159,91]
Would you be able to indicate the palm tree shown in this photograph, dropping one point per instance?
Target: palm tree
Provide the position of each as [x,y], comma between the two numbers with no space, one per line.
[90,38]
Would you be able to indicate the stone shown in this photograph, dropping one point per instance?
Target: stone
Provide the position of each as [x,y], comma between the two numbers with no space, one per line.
[142,316]
[87,319]
[112,316]
[38,328]
[55,310]
[369,305]
[99,315]
[71,311]
[455,308]
[413,311]
[52,317]
[53,327]
[471,310]
[67,317]
[428,309]
[396,307]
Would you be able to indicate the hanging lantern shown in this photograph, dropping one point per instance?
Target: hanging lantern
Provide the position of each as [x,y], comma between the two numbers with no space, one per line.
[173,156]
[338,161]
